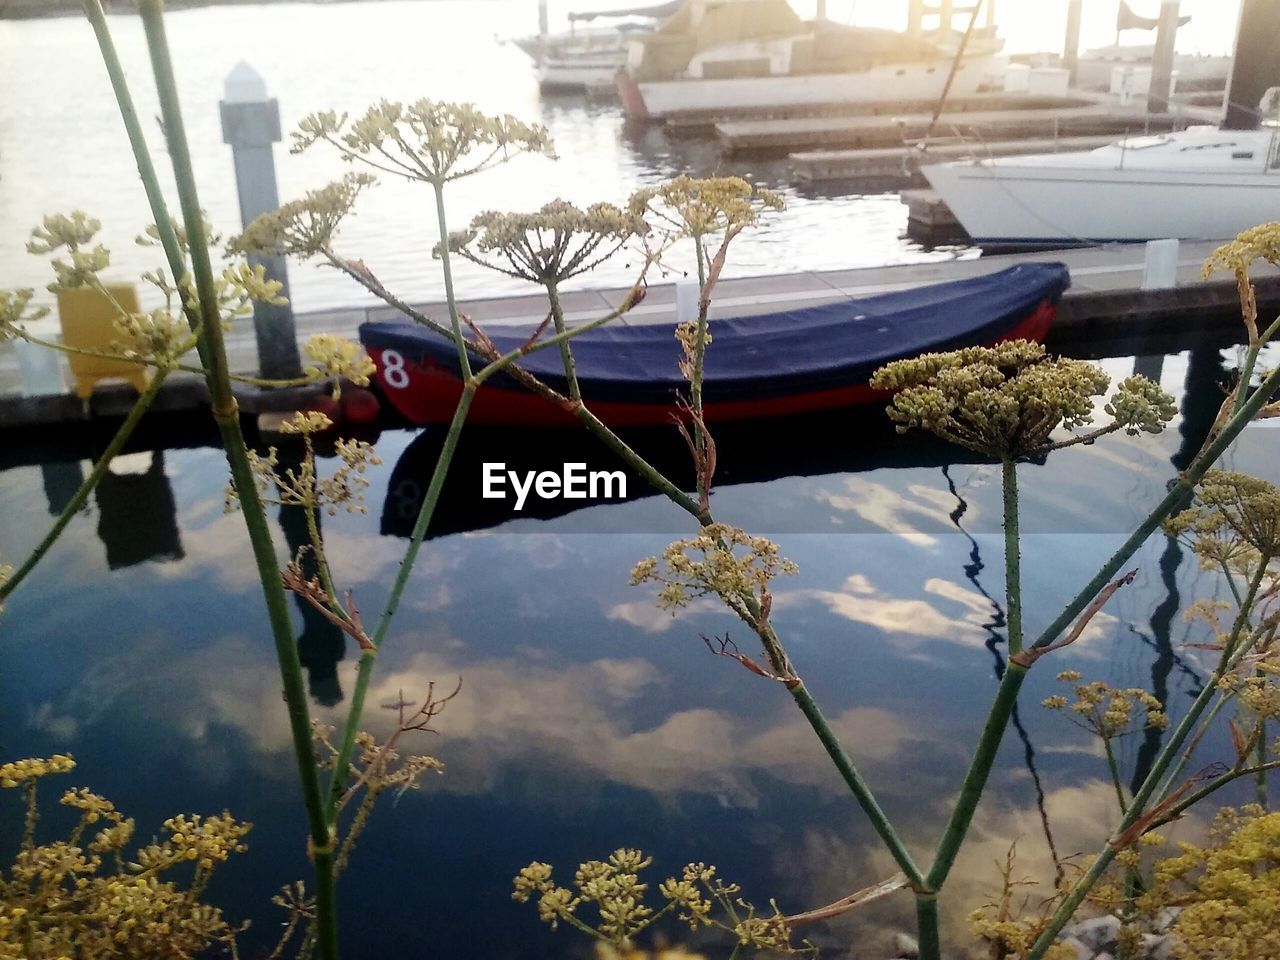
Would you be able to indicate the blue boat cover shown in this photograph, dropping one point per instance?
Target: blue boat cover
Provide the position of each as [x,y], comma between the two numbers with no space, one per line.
[769,354]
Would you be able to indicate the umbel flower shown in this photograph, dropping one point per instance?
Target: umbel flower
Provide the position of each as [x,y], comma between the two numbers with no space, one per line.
[1107,711]
[1006,400]
[550,245]
[425,140]
[303,228]
[1234,520]
[16,310]
[701,207]
[72,233]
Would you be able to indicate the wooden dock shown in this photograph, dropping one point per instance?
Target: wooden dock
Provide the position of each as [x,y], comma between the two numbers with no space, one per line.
[867,132]
[897,167]
[1100,316]
[704,121]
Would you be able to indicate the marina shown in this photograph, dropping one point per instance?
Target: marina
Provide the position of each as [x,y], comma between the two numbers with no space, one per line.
[766,592]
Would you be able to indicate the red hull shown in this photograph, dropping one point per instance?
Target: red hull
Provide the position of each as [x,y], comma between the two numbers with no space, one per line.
[429,394]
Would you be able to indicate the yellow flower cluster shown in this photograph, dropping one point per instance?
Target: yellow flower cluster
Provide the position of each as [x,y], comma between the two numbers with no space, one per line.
[304,486]
[427,140]
[305,227]
[150,237]
[552,244]
[1238,255]
[339,357]
[57,902]
[1006,400]
[18,772]
[1107,711]
[614,887]
[306,422]
[711,563]
[1229,889]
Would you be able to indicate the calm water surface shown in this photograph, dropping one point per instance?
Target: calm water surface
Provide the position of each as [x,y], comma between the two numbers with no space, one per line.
[589,720]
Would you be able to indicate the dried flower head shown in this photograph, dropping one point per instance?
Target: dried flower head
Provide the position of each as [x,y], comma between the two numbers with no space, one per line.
[557,242]
[425,140]
[1106,711]
[16,310]
[697,208]
[339,357]
[720,560]
[158,336]
[308,422]
[1007,400]
[70,233]
[306,227]
[150,236]
[1234,520]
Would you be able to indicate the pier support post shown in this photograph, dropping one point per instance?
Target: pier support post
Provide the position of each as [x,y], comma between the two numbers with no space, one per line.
[687,293]
[1256,65]
[251,124]
[1071,46]
[1162,59]
[1160,266]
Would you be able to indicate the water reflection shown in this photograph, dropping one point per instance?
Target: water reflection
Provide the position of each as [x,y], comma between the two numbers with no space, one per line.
[589,719]
[137,515]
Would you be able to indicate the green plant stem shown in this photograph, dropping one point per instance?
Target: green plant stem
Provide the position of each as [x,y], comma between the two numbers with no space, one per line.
[142,156]
[1012,555]
[1213,786]
[856,784]
[227,416]
[1230,656]
[927,936]
[1007,695]
[446,269]
[367,657]
[1114,769]
[566,354]
[81,496]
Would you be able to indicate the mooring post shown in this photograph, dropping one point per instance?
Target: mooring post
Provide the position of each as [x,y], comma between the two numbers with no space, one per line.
[1071,46]
[687,293]
[1162,59]
[251,124]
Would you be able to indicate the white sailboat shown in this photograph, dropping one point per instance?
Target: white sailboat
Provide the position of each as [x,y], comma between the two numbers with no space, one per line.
[1200,183]
[588,57]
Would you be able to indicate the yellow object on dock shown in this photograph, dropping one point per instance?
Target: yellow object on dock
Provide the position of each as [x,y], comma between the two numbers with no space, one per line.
[88,323]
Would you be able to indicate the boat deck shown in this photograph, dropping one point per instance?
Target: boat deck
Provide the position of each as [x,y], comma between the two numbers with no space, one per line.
[1103,307]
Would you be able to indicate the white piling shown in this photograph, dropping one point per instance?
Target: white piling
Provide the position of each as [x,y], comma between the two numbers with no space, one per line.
[40,370]
[1160,269]
[686,300]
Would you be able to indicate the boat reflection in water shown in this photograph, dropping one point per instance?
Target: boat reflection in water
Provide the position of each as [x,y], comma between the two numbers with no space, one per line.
[848,441]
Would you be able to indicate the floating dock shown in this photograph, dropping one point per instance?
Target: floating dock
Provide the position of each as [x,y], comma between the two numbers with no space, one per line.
[896,167]
[1101,315]
[866,132]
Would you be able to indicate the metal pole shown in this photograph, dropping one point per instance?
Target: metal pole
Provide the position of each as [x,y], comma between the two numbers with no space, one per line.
[1162,59]
[251,124]
[1071,49]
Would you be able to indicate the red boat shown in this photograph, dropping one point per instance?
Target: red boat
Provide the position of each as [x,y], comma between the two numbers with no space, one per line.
[766,365]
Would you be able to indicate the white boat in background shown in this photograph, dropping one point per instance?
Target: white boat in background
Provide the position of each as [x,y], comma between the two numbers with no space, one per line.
[1200,183]
[587,58]
[735,56]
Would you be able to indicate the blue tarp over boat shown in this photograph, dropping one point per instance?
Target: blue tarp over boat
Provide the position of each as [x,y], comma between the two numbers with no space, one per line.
[762,358]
